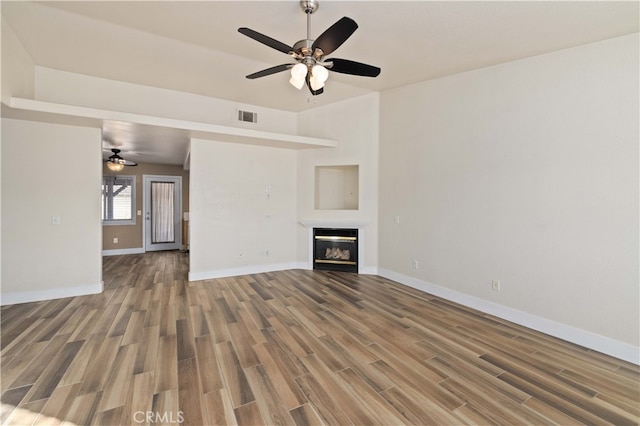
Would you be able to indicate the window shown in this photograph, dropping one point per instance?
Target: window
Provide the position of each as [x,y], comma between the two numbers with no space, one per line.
[118,200]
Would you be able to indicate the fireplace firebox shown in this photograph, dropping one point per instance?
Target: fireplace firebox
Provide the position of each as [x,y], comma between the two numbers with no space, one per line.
[335,249]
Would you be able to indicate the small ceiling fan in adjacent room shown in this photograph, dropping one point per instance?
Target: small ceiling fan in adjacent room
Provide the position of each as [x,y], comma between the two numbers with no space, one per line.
[116,163]
[311,65]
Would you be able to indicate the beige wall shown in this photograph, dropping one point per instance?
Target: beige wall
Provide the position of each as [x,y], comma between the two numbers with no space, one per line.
[40,259]
[18,76]
[527,173]
[243,209]
[130,236]
[54,86]
[353,123]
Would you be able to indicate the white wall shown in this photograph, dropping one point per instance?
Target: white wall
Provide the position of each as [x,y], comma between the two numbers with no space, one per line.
[41,260]
[527,173]
[93,92]
[242,204]
[232,221]
[353,123]
[17,66]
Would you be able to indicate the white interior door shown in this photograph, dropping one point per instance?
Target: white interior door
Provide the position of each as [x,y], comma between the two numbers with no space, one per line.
[162,206]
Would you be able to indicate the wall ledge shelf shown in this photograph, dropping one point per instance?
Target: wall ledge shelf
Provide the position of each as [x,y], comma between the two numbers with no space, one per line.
[34,110]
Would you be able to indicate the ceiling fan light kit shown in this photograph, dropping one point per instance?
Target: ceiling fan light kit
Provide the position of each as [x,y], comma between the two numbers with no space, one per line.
[116,163]
[114,166]
[312,68]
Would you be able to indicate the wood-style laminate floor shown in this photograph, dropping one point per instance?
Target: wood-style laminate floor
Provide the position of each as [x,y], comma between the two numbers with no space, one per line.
[293,347]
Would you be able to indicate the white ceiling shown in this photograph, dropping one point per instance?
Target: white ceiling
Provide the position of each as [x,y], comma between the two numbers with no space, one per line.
[195,47]
[145,144]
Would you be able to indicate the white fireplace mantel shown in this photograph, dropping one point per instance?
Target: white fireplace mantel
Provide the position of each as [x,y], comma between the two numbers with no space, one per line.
[333,224]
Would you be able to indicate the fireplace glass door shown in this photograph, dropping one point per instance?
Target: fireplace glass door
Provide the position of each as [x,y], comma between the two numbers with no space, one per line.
[335,249]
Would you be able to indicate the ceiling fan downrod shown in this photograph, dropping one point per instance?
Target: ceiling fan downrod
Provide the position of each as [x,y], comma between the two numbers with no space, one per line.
[303,50]
[309,7]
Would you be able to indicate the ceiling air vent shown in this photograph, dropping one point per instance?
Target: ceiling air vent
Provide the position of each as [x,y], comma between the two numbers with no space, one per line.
[248,116]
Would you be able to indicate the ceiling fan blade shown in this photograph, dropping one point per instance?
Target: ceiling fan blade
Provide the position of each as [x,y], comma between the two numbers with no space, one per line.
[269,71]
[123,162]
[346,66]
[313,92]
[266,40]
[335,35]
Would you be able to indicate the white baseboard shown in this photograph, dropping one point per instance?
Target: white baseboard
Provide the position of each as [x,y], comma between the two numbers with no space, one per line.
[118,252]
[243,270]
[606,345]
[48,294]
[368,270]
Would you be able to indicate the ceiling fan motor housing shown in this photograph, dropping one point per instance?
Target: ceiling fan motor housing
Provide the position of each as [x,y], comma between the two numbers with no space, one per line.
[304,52]
[309,6]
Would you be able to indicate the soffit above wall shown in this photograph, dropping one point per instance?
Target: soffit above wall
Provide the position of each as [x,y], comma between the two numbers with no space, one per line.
[152,139]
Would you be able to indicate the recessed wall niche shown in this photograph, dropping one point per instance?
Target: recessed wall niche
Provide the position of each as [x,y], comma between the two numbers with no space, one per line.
[337,187]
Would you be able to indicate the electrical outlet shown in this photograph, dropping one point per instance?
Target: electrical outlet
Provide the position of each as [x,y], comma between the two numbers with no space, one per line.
[415,264]
[495,285]
[115,240]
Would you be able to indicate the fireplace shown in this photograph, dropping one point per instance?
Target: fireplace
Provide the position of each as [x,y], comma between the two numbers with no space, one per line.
[335,249]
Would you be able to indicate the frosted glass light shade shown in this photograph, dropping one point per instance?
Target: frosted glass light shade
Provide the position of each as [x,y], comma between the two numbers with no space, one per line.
[297,83]
[298,74]
[319,75]
[115,167]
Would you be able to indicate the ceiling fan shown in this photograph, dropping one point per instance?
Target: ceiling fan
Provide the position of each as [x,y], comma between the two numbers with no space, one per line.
[116,163]
[311,63]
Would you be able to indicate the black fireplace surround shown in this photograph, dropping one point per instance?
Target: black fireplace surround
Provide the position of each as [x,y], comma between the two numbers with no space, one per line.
[335,249]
